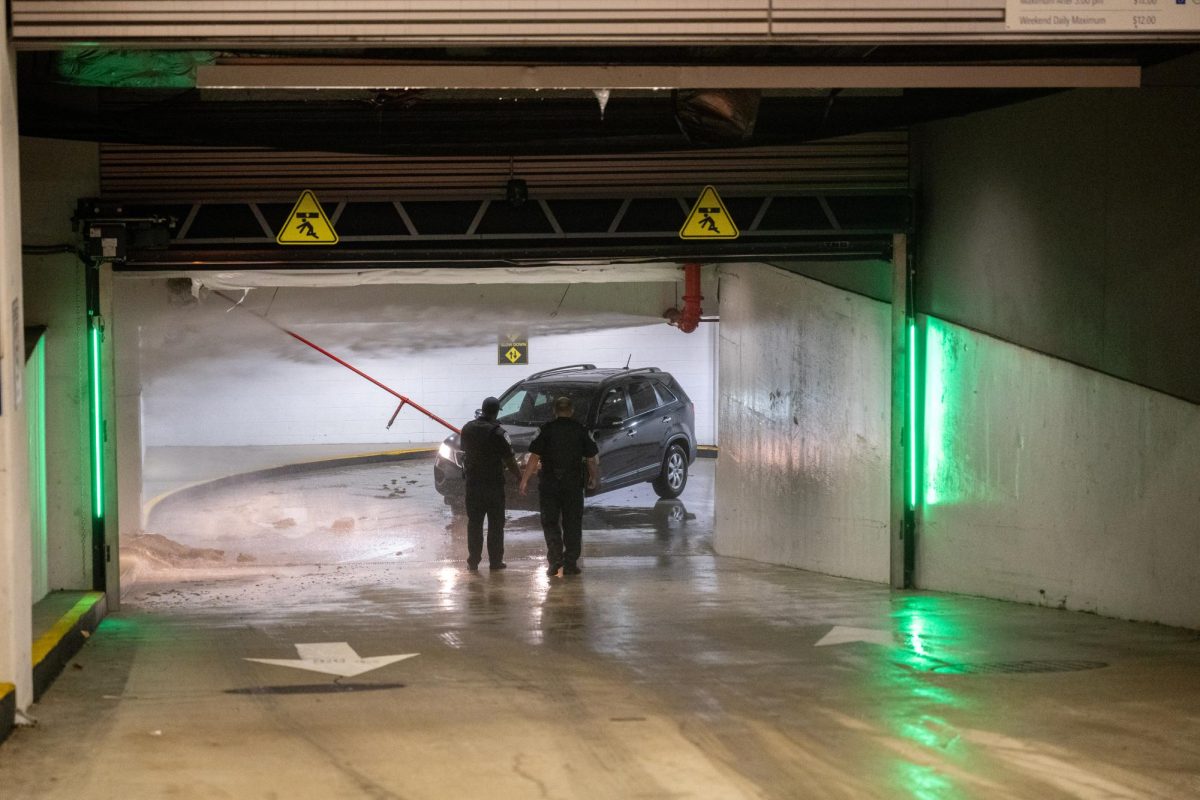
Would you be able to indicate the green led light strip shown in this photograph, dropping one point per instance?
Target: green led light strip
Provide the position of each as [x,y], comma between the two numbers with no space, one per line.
[97,437]
[913,438]
[933,443]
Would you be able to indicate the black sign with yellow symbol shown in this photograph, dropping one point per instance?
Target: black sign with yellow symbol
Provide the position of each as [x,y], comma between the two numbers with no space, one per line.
[513,353]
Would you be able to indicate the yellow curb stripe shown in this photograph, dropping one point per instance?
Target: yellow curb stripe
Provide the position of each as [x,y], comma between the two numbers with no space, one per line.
[50,639]
[6,689]
[154,501]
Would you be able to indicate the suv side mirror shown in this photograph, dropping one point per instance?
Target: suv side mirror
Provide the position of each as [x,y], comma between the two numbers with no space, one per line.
[610,421]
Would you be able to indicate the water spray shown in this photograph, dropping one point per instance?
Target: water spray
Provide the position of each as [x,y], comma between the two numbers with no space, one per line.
[404,401]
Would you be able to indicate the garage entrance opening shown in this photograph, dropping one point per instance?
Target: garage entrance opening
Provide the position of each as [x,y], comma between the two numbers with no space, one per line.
[260,454]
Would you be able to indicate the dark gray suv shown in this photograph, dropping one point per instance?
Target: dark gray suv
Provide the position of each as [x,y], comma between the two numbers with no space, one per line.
[642,420]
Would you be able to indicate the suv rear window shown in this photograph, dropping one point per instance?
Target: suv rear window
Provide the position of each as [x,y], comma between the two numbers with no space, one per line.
[665,395]
[530,406]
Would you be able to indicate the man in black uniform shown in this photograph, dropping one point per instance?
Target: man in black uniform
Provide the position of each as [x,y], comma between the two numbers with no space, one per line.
[486,452]
[561,448]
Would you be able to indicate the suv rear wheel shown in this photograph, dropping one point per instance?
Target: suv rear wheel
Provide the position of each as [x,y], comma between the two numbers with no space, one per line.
[674,474]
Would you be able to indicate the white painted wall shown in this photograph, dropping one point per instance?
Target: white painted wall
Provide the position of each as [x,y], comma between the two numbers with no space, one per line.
[212,378]
[16,636]
[803,475]
[54,175]
[1050,483]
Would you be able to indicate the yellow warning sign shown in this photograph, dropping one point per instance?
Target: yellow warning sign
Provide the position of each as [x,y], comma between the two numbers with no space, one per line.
[709,219]
[307,224]
[513,353]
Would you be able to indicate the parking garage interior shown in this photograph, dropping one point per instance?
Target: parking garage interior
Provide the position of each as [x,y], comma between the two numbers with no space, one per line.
[940,540]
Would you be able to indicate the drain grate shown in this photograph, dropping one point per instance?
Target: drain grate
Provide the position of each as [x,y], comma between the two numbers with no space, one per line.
[1018,667]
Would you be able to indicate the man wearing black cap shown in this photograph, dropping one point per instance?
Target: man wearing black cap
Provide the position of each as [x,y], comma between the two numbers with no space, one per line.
[486,452]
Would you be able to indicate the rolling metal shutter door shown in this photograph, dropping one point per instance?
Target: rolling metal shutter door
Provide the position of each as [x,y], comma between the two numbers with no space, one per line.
[211,22]
[876,162]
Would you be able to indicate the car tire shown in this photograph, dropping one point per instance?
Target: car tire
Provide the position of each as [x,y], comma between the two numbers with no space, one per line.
[672,478]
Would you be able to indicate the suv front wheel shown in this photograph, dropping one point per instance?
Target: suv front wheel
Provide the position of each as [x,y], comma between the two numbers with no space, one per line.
[674,474]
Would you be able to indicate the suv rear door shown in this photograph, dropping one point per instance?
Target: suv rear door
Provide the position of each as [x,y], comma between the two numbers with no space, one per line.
[648,429]
[615,440]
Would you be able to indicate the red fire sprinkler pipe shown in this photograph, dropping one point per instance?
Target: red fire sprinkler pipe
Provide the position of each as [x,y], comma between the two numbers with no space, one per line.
[688,319]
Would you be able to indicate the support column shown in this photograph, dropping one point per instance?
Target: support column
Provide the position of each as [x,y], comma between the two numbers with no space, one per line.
[16,560]
[901,529]
[115,447]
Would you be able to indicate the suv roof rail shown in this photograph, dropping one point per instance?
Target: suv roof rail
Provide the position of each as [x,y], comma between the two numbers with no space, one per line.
[567,368]
[640,369]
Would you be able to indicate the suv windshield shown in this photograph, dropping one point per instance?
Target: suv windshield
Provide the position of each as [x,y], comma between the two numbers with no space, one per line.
[530,406]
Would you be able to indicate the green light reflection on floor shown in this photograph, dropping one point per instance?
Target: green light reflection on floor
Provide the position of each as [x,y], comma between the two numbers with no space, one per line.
[916,707]
[925,783]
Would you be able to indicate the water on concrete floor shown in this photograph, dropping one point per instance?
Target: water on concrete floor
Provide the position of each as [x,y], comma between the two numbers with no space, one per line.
[662,672]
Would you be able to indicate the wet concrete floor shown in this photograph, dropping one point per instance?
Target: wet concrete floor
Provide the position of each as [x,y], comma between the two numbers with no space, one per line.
[662,672]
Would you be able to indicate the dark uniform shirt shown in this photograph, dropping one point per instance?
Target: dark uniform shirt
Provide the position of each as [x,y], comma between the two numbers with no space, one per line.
[562,444]
[485,452]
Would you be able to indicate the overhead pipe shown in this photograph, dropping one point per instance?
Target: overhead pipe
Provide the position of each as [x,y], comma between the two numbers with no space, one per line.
[688,319]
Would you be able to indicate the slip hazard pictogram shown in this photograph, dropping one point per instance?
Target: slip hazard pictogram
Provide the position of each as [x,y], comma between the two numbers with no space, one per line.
[307,224]
[709,219]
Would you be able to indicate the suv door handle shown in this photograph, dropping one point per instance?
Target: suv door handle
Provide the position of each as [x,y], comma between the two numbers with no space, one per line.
[632,432]
[667,418]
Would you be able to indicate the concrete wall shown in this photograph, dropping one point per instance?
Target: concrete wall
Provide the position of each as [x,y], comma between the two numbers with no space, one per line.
[214,378]
[54,174]
[16,635]
[872,278]
[804,411]
[1068,225]
[1050,483]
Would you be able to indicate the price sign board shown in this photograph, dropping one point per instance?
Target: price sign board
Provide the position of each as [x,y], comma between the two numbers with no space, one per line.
[1090,16]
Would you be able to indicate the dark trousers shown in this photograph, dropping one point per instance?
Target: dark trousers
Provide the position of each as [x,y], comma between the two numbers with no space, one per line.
[485,501]
[562,522]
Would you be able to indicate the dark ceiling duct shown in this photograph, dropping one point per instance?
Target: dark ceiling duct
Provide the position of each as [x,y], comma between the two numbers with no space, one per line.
[717,116]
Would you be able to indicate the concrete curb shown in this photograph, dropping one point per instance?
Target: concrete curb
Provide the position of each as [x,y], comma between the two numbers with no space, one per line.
[57,646]
[201,488]
[8,709]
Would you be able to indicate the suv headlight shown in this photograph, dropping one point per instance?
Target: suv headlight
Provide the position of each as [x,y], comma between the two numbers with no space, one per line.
[450,454]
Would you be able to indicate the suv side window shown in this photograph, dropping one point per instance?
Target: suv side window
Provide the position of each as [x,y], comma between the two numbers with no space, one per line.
[641,394]
[614,404]
[665,395]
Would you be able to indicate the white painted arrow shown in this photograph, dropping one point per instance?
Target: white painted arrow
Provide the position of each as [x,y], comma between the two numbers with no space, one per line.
[844,635]
[333,658]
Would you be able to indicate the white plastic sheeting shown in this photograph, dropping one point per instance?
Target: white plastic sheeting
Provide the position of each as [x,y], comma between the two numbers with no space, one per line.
[574,273]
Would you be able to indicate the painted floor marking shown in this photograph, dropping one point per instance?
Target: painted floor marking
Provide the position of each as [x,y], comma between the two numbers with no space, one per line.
[333,658]
[844,635]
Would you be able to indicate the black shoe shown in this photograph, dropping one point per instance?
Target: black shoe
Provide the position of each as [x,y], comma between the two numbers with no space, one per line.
[472,567]
[498,565]
[571,569]
[553,569]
